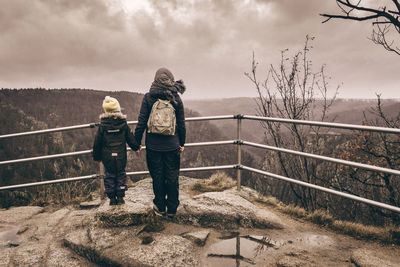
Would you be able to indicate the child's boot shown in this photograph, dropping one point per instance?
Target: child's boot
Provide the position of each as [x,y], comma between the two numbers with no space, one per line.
[120,197]
[113,199]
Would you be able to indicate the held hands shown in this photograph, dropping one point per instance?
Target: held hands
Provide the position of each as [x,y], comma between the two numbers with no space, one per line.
[140,148]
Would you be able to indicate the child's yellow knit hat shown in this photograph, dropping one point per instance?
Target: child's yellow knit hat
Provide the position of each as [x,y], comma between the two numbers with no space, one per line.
[110,104]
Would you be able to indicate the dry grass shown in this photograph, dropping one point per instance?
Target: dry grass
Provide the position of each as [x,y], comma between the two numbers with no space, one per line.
[389,234]
[356,229]
[130,183]
[294,211]
[63,194]
[320,217]
[219,181]
[269,201]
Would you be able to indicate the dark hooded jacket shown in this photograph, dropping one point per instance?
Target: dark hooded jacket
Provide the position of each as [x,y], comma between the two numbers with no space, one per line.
[164,87]
[110,142]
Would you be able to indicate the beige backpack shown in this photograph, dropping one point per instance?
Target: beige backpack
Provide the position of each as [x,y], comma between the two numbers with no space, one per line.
[162,119]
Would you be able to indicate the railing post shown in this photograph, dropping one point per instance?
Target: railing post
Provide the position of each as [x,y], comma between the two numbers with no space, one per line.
[239,149]
[101,180]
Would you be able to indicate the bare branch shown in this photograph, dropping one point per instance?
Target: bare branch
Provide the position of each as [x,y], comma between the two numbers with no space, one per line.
[349,17]
[397,4]
[382,16]
[378,36]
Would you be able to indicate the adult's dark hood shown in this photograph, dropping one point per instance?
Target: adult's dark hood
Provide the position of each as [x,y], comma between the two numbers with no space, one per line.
[165,86]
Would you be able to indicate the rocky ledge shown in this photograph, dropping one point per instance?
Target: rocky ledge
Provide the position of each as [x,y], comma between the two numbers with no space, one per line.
[210,229]
[221,210]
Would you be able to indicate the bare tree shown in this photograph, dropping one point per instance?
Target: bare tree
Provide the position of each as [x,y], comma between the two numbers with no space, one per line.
[384,19]
[290,91]
[377,149]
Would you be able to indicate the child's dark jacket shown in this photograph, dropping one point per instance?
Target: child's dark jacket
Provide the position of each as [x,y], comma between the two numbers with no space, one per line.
[110,142]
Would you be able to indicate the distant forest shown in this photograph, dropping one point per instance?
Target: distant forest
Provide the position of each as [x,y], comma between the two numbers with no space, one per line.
[32,109]
[366,147]
[343,110]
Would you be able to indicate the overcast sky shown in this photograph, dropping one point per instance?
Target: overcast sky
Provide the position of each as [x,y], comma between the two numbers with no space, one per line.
[119,44]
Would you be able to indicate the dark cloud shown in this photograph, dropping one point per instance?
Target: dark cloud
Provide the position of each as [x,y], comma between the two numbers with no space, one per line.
[43,36]
[96,44]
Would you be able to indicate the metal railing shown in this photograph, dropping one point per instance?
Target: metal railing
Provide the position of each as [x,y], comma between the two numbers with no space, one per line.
[238,166]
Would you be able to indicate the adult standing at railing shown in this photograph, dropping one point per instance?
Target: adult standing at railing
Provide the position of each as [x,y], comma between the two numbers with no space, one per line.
[162,116]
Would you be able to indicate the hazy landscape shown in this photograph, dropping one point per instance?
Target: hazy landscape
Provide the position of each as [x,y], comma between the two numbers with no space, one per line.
[342,111]
[32,109]
[304,60]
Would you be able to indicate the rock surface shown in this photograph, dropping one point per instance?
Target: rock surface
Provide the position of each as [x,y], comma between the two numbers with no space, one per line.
[223,210]
[199,238]
[210,229]
[226,210]
[90,204]
[368,258]
[14,215]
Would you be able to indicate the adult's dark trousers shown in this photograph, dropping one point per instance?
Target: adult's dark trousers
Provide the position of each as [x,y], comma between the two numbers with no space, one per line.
[164,170]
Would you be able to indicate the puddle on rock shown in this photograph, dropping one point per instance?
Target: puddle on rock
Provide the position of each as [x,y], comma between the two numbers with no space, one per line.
[239,251]
[9,236]
[316,240]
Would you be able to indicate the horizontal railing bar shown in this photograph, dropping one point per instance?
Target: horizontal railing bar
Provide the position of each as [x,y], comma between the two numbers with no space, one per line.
[250,117]
[53,130]
[92,176]
[324,189]
[92,125]
[54,156]
[209,118]
[335,160]
[85,152]
[137,173]
[326,124]
[209,168]
[213,143]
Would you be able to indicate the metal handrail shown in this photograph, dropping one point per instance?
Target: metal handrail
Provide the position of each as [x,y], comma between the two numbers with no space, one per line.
[209,168]
[86,152]
[223,167]
[324,158]
[326,124]
[238,166]
[324,189]
[222,117]
[92,125]
[79,178]
[213,143]
[209,118]
[205,118]
[54,156]
[95,176]
[53,130]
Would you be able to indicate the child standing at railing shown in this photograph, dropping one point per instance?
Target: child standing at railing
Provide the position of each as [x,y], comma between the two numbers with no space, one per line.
[110,148]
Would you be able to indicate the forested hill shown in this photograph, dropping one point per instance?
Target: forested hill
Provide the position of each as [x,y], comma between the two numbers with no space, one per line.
[68,106]
[343,110]
[32,109]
